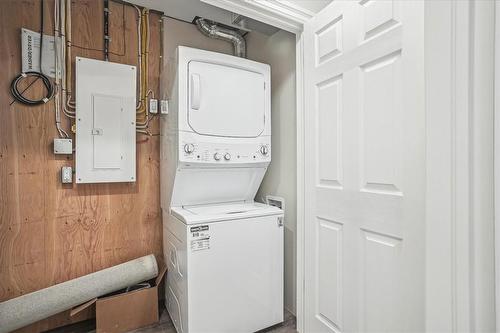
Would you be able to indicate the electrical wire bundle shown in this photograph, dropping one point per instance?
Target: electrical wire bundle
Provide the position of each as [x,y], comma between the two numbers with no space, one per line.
[143,34]
[60,46]
[52,89]
[59,89]
[49,87]
[18,95]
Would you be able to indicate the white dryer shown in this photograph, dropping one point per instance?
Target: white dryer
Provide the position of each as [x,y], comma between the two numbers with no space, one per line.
[224,251]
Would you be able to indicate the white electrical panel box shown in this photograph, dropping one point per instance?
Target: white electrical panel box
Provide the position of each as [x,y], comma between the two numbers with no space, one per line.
[105,121]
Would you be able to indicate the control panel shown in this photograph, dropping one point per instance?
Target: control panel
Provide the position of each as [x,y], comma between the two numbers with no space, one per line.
[223,153]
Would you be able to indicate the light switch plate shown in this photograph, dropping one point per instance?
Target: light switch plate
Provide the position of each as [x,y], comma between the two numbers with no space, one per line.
[164,106]
[153,106]
[63,146]
[66,175]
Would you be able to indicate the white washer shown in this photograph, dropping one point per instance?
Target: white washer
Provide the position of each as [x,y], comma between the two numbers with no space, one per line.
[224,251]
[225,267]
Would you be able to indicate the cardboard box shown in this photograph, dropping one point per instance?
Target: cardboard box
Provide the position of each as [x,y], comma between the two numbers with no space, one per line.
[127,310]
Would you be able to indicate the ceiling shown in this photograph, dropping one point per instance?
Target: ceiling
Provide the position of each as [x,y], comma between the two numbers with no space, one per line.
[186,10]
[311,5]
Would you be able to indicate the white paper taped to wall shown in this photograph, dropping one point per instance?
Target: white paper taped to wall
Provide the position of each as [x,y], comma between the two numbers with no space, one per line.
[30,55]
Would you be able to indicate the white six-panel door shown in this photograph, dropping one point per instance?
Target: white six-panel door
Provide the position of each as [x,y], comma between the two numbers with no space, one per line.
[365,168]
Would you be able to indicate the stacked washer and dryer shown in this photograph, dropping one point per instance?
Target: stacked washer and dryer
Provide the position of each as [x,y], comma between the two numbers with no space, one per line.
[224,251]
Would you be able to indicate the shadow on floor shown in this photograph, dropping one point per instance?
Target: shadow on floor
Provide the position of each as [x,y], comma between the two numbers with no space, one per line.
[165,326]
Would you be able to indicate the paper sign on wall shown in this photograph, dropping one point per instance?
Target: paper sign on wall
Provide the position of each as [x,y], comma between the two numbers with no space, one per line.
[30,55]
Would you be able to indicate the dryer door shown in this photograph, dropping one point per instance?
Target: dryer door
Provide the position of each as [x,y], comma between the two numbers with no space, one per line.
[225,101]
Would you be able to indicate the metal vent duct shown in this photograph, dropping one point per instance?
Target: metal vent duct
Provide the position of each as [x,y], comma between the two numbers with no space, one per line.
[214,30]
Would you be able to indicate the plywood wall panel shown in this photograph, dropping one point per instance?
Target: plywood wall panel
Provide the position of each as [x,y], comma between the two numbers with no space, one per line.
[50,232]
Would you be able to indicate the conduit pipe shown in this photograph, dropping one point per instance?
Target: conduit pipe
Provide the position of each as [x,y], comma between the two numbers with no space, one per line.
[214,30]
[69,38]
[27,309]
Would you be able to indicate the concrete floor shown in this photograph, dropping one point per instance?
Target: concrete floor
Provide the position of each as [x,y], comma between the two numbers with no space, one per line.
[165,326]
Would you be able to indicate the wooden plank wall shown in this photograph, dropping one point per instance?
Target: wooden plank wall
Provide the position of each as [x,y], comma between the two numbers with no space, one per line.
[49,232]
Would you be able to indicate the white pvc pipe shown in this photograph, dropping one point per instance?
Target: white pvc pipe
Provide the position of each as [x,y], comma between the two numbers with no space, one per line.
[27,309]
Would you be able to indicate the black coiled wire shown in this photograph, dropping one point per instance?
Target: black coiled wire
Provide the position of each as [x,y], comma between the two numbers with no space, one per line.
[14,85]
[18,96]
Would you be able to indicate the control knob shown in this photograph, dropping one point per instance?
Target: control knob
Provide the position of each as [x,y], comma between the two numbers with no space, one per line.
[189,148]
[227,156]
[264,150]
[217,156]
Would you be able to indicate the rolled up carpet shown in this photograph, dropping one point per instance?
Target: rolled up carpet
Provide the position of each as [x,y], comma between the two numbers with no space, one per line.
[27,309]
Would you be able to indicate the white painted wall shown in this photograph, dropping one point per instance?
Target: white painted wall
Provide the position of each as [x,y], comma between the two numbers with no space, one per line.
[312,5]
[280,180]
[497,161]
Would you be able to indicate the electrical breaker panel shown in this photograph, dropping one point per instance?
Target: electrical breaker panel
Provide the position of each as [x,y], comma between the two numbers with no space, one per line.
[105,121]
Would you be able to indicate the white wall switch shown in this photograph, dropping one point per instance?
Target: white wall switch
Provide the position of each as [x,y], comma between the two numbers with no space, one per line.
[63,146]
[164,106]
[66,175]
[153,106]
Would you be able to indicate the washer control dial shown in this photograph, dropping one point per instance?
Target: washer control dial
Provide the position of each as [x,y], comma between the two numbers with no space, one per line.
[264,150]
[217,156]
[189,148]
[227,156]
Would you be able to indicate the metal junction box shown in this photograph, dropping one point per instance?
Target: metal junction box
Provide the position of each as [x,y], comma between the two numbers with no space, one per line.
[105,121]
[63,146]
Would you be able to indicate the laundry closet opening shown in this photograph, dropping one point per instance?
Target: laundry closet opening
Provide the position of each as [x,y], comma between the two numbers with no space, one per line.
[266,45]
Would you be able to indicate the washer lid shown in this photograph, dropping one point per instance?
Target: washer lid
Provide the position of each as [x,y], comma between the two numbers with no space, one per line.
[222,212]
[225,100]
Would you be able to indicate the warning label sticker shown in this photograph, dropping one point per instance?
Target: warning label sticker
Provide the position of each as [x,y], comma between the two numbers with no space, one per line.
[200,238]
[30,51]
[200,244]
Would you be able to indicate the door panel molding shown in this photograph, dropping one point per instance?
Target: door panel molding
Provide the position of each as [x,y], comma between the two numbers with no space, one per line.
[381,201]
[459,198]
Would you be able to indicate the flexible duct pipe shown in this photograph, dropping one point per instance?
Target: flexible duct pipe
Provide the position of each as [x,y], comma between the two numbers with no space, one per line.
[27,309]
[213,30]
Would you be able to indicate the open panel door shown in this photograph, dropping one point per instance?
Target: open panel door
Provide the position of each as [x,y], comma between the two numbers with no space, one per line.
[364,168]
